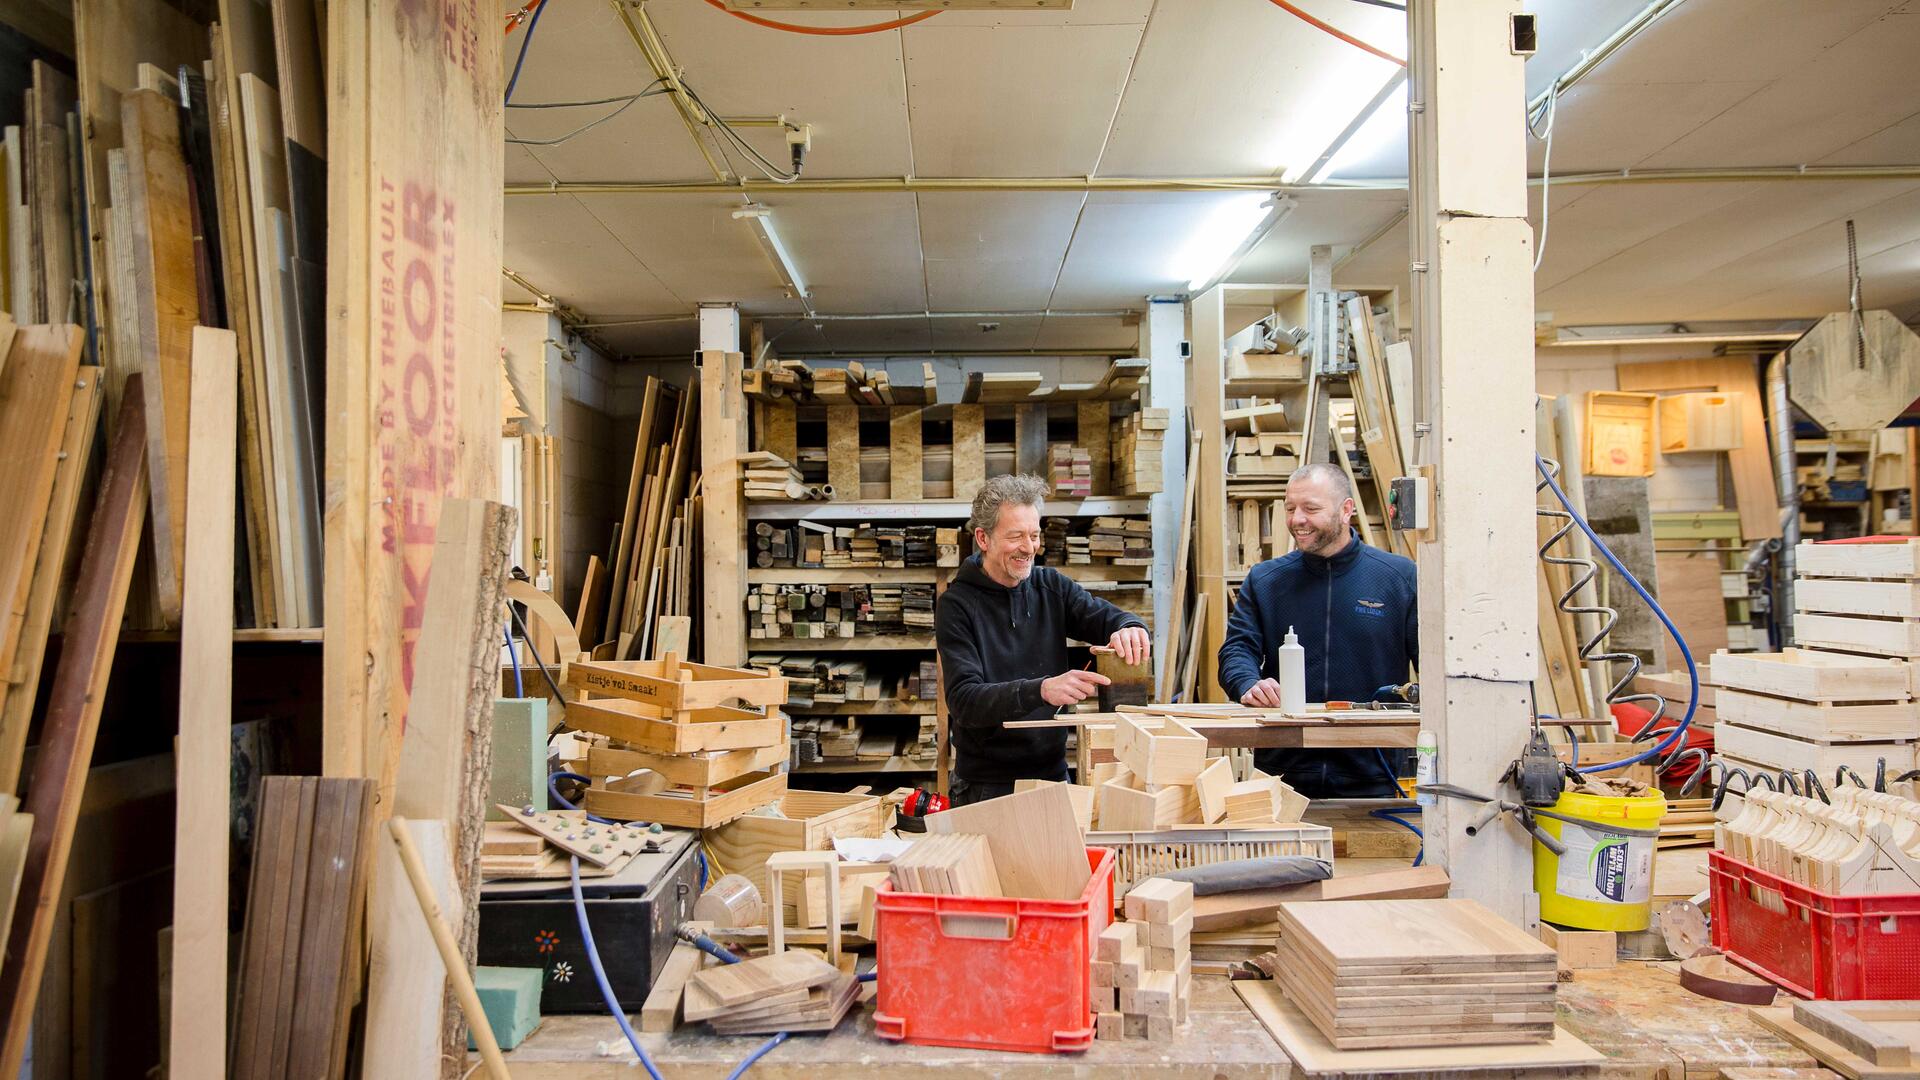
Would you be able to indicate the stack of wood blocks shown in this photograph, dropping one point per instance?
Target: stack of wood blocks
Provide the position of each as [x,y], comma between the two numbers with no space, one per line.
[837,611]
[1165,778]
[1273,453]
[863,546]
[693,745]
[956,864]
[1072,472]
[1387,974]
[1121,541]
[769,477]
[1864,842]
[1809,709]
[1137,441]
[1143,968]
[784,991]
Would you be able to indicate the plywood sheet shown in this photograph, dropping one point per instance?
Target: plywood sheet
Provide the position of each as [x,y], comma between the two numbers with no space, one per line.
[1036,840]
[1416,934]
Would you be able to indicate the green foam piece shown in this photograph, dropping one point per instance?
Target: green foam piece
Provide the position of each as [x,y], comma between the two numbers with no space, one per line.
[511,997]
[519,754]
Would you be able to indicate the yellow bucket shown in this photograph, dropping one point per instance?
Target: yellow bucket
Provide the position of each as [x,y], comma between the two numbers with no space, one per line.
[1605,880]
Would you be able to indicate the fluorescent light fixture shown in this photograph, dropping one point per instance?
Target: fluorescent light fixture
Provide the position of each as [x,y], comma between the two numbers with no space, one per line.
[761,219]
[1227,230]
[1379,127]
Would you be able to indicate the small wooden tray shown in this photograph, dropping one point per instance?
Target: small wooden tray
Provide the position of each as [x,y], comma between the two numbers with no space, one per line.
[702,808]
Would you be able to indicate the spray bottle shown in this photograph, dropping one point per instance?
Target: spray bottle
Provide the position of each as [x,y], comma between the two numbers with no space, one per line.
[1292,669]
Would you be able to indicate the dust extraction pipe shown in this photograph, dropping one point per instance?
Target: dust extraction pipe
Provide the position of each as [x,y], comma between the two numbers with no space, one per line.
[1785,476]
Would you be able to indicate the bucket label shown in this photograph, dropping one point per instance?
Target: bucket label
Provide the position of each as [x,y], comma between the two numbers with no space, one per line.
[1603,867]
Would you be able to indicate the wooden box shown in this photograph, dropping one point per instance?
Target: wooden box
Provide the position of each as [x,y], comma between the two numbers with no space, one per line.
[1900,559]
[1124,806]
[1807,675]
[717,728]
[1619,433]
[1882,637]
[1786,752]
[1158,751]
[812,820]
[1840,596]
[687,770]
[671,685]
[692,808]
[1703,421]
[1821,721]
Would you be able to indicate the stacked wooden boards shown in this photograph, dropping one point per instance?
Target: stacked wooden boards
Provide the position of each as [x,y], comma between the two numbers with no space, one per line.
[1813,709]
[785,991]
[1377,974]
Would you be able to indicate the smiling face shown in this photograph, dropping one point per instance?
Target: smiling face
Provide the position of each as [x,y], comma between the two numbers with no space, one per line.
[1007,553]
[1317,513]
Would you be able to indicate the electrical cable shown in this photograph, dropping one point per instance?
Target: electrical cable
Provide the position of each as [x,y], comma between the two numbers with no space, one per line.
[1317,24]
[772,172]
[553,792]
[823,31]
[1546,174]
[586,127]
[1388,814]
[591,101]
[1693,674]
[535,653]
[519,686]
[525,43]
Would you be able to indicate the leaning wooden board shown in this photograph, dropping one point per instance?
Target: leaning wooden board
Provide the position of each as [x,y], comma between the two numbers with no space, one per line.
[36,388]
[1036,840]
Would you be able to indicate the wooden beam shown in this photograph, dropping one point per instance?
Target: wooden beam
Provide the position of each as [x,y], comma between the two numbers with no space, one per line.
[73,718]
[903,454]
[406,980]
[969,451]
[1210,507]
[413,227]
[197,1019]
[723,438]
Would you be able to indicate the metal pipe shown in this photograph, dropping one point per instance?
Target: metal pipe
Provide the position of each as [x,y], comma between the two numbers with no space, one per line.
[662,64]
[1780,406]
[1606,48]
[1048,313]
[1756,172]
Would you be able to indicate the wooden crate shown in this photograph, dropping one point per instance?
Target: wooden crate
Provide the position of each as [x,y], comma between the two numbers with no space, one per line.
[1809,675]
[812,820]
[1882,637]
[696,808]
[717,728]
[1900,559]
[1821,721]
[1842,596]
[668,686]
[1786,752]
[1703,421]
[700,770]
[1159,751]
[1619,433]
[1124,806]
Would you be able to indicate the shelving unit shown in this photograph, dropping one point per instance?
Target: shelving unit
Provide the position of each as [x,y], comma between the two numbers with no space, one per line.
[923,511]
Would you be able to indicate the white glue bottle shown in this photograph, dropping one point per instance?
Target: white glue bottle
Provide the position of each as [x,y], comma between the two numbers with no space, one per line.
[1293,675]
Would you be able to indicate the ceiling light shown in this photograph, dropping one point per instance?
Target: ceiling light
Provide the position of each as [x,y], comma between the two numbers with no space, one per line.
[1380,127]
[1234,225]
[761,219]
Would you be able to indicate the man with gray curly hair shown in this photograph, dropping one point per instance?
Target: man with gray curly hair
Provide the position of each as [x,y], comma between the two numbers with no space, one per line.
[1002,629]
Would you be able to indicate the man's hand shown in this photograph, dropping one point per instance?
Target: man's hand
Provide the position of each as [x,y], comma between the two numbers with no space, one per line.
[1130,644]
[1264,694]
[1072,687]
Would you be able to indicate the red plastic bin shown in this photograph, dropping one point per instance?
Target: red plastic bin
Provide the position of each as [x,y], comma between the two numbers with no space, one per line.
[1838,948]
[990,972]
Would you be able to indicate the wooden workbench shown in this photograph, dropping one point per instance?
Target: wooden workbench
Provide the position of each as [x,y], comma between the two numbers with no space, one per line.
[1348,731]
[1636,1014]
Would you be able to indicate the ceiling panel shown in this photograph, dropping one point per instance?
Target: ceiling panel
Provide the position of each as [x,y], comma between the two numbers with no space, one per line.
[1122,335]
[857,253]
[1593,223]
[990,284]
[904,335]
[557,245]
[1897,142]
[1007,100]
[695,246]
[998,224]
[1015,332]
[1124,247]
[1814,261]
[1339,218]
[1603,126]
[1230,87]
[1693,41]
[1568,29]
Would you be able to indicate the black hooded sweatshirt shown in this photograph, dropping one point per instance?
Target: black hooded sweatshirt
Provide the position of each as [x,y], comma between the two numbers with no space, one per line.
[996,646]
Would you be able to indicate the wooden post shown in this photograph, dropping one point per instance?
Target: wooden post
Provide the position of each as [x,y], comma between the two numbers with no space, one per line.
[903,454]
[969,451]
[1092,419]
[843,452]
[198,1020]
[1161,334]
[723,438]
[1207,398]
[1473,319]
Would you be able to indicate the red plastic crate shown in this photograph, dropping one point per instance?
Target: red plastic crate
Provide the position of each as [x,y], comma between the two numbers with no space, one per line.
[989,972]
[1840,948]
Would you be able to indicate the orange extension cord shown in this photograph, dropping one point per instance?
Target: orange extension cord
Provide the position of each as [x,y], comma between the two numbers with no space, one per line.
[1316,23]
[824,31]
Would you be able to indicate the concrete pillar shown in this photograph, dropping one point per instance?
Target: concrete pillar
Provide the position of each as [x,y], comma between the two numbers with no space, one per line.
[1161,334]
[1473,325]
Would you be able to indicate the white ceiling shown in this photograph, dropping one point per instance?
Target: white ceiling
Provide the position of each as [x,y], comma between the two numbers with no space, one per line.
[1191,88]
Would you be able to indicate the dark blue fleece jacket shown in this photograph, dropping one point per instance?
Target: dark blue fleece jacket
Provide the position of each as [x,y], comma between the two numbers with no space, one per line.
[1356,616]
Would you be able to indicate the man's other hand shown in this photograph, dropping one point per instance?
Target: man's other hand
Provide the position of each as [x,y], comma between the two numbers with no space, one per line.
[1131,644]
[1073,687]
[1264,694]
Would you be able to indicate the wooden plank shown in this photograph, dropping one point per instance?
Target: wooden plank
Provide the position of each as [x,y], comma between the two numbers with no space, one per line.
[1035,837]
[415,191]
[73,717]
[1253,907]
[843,452]
[447,751]
[406,979]
[737,984]
[52,209]
[969,451]
[198,1015]
[1814,676]
[660,1013]
[1752,469]
[623,556]
[36,390]
[1418,934]
[903,454]
[335,886]
[723,438]
[1314,1054]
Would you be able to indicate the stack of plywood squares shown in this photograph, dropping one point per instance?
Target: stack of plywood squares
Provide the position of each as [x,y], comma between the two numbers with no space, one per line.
[692,745]
[784,991]
[1848,697]
[1143,968]
[1165,778]
[1386,974]
[768,476]
[1137,440]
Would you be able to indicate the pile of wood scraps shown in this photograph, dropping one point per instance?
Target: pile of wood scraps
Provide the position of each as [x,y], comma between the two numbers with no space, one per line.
[1137,442]
[768,477]
[663,717]
[792,381]
[784,991]
[1864,842]
[959,864]
[1862,1040]
[538,844]
[1378,974]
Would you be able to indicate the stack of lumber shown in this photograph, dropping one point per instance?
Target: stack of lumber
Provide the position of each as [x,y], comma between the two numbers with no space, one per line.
[1071,472]
[1808,709]
[770,478]
[655,570]
[1263,374]
[814,680]
[786,991]
[299,963]
[1137,440]
[1119,541]
[710,761]
[1383,974]
[537,844]
[1864,842]
[956,864]
[793,382]
[1274,454]
[1165,778]
[1687,823]
[809,545]
[1858,1039]
[1121,381]
[1143,968]
[837,611]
